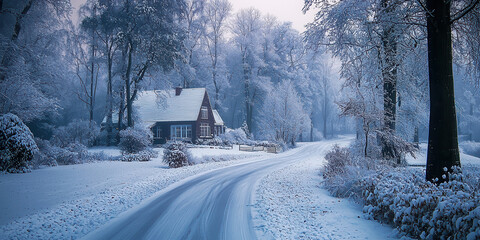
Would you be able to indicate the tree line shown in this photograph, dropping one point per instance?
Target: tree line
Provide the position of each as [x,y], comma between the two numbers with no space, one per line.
[397,59]
[55,70]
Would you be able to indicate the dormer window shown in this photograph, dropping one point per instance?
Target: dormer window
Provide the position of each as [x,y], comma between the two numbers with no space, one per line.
[204,112]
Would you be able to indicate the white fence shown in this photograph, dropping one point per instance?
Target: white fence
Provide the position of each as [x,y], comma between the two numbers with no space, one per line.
[247,148]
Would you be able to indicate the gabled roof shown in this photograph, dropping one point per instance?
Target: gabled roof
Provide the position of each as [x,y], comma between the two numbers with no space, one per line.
[218,119]
[165,106]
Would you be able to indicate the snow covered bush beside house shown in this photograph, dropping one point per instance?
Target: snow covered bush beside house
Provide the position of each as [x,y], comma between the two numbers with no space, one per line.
[176,154]
[235,136]
[403,198]
[134,140]
[216,141]
[17,146]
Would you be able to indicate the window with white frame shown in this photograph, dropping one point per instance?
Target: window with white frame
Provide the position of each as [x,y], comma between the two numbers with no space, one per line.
[204,112]
[157,133]
[181,132]
[205,130]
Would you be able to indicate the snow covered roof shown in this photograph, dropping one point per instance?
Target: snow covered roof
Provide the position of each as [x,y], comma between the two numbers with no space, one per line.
[165,106]
[218,119]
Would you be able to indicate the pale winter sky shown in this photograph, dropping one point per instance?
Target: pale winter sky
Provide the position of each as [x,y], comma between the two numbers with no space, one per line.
[284,10]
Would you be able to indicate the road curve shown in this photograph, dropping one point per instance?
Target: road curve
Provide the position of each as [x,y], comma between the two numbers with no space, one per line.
[213,205]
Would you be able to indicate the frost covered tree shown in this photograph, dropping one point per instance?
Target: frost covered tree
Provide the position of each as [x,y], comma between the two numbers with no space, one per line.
[85,52]
[192,21]
[216,16]
[283,118]
[378,30]
[246,28]
[107,33]
[150,37]
[31,42]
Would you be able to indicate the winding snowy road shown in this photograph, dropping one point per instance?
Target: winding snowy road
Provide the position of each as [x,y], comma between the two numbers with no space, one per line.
[212,205]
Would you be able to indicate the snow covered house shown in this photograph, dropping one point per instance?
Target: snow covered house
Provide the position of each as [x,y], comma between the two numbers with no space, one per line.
[178,114]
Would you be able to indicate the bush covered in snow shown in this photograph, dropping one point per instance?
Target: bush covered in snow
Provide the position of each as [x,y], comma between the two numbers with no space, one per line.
[78,131]
[337,161]
[421,209]
[44,156]
[471,148]
[134,140]
[343,170]
[176,154]
[17,146]
[235,136]
[141,156]
[216,141]
[403,198]
[75,153]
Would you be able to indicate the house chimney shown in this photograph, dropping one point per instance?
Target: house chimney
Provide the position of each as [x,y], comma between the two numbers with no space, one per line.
[178,90]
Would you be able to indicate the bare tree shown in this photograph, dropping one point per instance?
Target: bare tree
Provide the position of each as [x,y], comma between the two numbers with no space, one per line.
[217,13]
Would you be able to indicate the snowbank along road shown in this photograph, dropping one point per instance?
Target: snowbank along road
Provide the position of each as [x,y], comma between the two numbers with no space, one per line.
[213,205]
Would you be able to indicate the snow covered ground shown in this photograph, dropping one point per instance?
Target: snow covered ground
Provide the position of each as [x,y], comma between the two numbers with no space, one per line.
[268,196]
[421,157]
[291,205]
[70,201]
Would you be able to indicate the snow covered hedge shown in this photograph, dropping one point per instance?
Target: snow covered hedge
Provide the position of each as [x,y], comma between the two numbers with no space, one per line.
[176,154]
[216,141]
[75,153]
[141,156]
[401,196]
[134,140]
[418,208]
[78,131]
[17,147]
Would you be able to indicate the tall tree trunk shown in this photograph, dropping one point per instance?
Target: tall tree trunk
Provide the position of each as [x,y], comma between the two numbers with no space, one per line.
[442,137]
[120,113]
[415,136]
[325,104]
[127,85]
[470,134]
[109,94]
[389,74]
[92,76]
[311,126]
[248,104]
[214,71]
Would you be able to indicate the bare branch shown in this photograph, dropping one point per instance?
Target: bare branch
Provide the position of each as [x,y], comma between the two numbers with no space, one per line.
[464,11]
[425,8]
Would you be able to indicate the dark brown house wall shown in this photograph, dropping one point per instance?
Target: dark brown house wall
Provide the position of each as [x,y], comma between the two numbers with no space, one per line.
[210,120]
